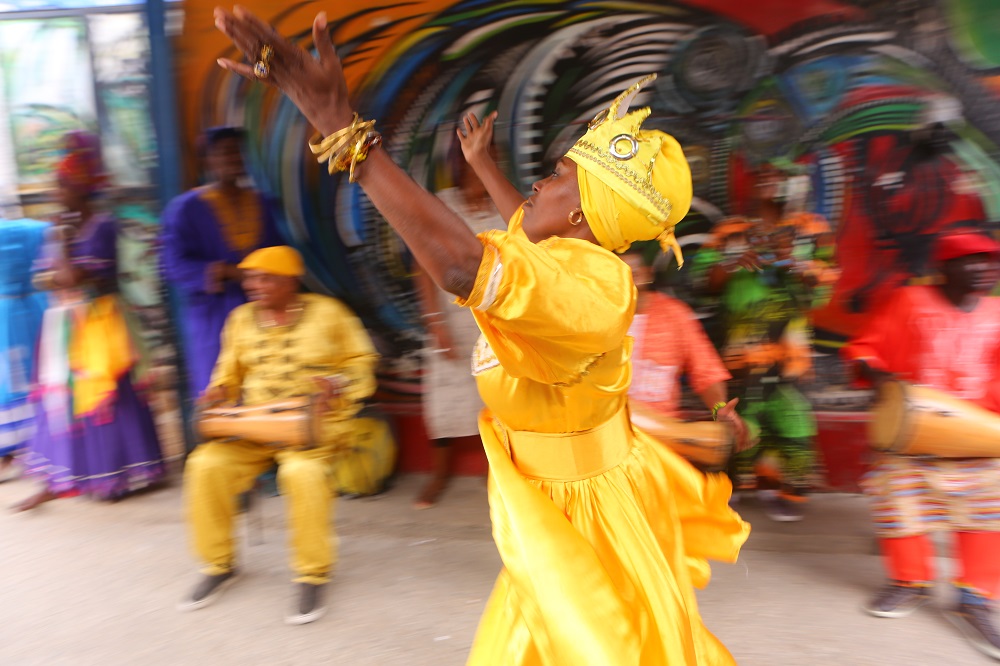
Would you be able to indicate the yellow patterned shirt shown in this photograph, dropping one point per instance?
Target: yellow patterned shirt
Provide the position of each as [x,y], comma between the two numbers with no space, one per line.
[258,364]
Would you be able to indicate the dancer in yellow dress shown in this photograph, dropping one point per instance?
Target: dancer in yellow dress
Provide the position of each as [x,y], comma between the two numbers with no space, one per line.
[603,533]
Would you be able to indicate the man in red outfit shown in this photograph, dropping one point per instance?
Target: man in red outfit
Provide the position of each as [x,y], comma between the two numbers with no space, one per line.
[946,337]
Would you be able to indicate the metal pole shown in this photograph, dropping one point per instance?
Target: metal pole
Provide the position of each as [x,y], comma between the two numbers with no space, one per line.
[164,97]
[164,107]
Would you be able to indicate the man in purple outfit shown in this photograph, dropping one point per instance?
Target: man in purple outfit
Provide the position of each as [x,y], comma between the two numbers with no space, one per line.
[206,233]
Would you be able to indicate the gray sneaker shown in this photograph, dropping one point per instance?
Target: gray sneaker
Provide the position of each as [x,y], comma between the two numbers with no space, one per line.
[975,621]
[209,589]
[309,606]
[778,508]
[895,600]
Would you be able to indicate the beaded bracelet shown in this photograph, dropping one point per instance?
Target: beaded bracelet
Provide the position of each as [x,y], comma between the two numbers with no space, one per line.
[715,410]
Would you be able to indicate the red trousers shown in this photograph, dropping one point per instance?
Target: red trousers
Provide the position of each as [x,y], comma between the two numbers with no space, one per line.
[911,560]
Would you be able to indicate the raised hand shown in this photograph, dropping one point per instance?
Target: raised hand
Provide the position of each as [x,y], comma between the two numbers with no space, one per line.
[475,138]
[315,85]
[440,241]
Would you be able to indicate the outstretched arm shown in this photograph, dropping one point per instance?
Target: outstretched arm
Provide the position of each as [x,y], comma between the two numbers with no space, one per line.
[440,241]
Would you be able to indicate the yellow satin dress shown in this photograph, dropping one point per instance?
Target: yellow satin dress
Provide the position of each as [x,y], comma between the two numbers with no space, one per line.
[603,532]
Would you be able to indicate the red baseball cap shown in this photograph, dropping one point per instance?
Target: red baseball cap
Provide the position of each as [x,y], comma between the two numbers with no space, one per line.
[964,244]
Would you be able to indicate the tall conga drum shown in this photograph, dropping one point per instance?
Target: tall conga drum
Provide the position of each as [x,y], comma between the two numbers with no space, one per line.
[705,444]
[921,421]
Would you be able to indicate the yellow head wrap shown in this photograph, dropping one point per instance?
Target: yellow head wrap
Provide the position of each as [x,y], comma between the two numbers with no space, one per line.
[635,184]
[278,260]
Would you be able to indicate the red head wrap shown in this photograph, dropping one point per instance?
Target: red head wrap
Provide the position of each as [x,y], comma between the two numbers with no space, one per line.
[81,167]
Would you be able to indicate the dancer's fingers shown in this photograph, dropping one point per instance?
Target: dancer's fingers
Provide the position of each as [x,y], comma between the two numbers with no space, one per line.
[324,41]
[284,62]
[255,24]
[241,68]
[238,32]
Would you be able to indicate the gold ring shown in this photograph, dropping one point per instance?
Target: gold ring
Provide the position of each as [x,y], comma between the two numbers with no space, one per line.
[263,66]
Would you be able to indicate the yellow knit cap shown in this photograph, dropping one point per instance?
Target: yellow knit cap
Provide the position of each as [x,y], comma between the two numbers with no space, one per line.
[278,260]
[635,184]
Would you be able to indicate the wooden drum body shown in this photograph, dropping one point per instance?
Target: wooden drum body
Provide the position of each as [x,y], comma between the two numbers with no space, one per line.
[920,421]
[285,424]
[705,444]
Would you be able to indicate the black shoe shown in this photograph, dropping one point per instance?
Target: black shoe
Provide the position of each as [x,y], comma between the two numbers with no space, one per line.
[975,621]
[310,606]
[208,590]
[898,600]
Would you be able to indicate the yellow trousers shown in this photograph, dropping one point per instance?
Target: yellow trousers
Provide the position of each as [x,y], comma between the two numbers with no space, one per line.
[216,474]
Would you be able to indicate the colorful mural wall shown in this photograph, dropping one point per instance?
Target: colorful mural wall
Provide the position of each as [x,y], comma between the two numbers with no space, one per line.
[835,87]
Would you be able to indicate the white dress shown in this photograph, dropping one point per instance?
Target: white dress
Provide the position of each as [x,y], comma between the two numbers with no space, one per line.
[450,398]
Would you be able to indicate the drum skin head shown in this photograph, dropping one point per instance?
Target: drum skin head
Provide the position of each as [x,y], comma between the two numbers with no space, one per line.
[705,444]
[888,417]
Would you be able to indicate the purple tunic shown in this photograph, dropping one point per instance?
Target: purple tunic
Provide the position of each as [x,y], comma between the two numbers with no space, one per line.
[109,455]
[192,241]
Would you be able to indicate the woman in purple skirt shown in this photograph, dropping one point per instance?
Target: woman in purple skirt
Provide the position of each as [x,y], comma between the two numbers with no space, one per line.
[95,433]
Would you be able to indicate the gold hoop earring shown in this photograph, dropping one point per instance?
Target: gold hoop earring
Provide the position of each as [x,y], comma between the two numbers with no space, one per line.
[576,217]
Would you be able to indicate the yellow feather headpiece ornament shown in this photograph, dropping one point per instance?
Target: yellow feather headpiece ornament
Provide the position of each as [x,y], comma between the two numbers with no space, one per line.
[635,184]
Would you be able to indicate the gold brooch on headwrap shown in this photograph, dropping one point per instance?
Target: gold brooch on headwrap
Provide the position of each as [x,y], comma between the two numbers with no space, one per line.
[635,184]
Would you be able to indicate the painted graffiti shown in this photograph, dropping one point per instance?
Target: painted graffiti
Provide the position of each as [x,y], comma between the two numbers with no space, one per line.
[834,88]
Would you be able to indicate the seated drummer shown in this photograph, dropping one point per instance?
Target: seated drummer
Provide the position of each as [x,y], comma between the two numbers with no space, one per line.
[946,337]
[670,342]
[282,344]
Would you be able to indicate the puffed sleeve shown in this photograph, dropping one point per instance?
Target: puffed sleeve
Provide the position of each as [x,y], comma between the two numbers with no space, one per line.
[550,310]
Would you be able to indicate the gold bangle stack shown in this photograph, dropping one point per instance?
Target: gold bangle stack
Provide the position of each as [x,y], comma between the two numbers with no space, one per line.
[344,150]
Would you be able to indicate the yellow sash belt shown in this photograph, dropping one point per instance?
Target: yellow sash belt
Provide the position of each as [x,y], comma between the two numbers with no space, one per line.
[101,351]
[569,456]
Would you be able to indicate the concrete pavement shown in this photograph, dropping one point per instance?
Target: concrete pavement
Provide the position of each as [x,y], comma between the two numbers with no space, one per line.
[85,583]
